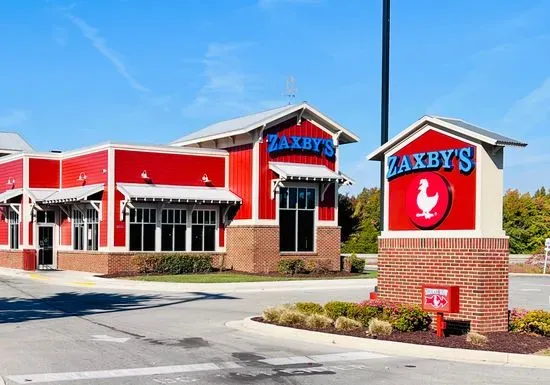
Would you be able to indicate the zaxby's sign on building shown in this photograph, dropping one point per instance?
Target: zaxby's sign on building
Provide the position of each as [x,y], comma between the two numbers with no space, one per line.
[443,220]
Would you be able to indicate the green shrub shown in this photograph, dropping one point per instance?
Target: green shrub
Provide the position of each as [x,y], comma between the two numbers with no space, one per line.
[318,321]
[291,266]
[178,263]
[379,327]
[367,313]
[291,317]
[357,264]
[535,321]
[344,323]
[337,309]
[409,318]
[309,307]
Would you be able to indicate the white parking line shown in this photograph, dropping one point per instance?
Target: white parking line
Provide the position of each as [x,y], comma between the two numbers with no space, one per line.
[117,373]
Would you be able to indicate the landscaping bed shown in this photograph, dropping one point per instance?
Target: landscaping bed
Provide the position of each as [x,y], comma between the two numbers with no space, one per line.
[529,330]
[506,342]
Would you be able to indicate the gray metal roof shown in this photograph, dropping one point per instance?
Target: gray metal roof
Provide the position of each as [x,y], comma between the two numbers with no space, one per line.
[500,139]
[9,194]
[232,125]
[73,194]
[298,171]
[186,194]
[12,141]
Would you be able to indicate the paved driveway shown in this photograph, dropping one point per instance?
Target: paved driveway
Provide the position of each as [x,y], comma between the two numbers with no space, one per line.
[58,335]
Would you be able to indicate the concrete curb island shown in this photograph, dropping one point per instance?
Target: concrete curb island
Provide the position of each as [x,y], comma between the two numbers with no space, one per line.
[89,280]
[391,347]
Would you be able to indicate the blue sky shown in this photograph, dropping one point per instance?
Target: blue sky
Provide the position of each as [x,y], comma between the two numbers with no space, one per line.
[77,73]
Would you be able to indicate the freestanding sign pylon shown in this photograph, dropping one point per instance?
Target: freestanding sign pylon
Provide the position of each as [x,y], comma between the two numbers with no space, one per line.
[443,218]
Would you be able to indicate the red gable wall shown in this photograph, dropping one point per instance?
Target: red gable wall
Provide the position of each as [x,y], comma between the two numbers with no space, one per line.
[13,169]
[43,173]
[267,205]
[240,178]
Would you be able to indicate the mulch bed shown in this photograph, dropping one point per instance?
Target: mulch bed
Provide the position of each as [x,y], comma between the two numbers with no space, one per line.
[497,341]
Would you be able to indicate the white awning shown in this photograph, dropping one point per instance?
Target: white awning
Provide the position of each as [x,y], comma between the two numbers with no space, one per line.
[181,194]
[71,194]
[9,194]
[306,172]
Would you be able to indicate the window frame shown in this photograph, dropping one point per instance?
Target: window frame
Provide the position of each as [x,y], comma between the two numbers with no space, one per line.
[215,224]
[17,224]
[315,210]
[142,224]
[83,217]
[183,222]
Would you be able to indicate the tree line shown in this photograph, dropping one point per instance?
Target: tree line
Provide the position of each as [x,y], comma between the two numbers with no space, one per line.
[526,220]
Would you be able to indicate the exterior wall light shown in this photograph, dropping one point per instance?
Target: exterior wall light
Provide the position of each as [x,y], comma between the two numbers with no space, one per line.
[11,181]
[144,175]
[82,177]
[205,179]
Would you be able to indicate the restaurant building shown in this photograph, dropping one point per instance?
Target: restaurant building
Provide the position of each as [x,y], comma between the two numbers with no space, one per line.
[248,191]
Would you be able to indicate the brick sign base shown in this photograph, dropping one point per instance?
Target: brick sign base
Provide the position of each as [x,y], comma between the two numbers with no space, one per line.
[478,265]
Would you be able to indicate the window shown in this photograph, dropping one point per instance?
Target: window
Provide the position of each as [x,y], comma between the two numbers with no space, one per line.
[203,230]
[296,218]
[14,229]
[47,216]
[173,226]
[142,229]
[85,229]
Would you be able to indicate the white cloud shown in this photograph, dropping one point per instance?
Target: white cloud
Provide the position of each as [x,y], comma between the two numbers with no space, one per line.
[13,117]
[532,109]
[60,35]
[227,89]
[100,44]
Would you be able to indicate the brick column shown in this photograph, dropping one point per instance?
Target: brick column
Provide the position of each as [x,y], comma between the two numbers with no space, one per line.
[253,249]
[328,246]
[478,265]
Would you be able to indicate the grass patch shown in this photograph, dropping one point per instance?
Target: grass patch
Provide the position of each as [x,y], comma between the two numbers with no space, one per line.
[229,277]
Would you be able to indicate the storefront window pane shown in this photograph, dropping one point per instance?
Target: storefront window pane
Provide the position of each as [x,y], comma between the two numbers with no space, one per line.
[148,237]
[283,198]
[302,198]
[196,237]
[179,238]
[135,237]
[287,221]
[292,192]
[167,237]
[311,198]
[209,238]
[305,230]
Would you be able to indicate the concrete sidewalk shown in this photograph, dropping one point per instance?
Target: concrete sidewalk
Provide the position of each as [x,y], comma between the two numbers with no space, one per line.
[83,279]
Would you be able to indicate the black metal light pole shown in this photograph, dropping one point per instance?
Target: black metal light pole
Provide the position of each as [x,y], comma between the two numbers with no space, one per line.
[385,97]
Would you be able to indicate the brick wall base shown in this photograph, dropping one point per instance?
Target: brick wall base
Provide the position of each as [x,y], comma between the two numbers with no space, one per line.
[255,249]
[103,262]
[478,265]
[12,259]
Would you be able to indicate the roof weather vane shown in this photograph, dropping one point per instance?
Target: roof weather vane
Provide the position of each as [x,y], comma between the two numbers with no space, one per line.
[291,89]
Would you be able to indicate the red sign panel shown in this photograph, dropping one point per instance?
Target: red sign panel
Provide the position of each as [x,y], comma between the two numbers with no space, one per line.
[440,298]
[432,184]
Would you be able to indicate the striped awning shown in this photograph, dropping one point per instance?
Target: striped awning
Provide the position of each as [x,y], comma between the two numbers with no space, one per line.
[180,194]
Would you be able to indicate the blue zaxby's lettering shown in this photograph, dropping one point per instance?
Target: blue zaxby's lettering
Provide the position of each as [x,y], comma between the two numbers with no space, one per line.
[432,160]
[303,143]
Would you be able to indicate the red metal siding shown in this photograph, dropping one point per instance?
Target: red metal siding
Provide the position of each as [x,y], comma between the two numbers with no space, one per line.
[92,165]
[13,169]
[221,235]
[169,169]
[326,206]
[30,227]
[267,205]
[65,231]
[120,226]
[43,173]
[240,178]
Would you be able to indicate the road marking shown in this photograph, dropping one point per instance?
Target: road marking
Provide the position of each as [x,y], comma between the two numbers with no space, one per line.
[537,290]
[82,283]
[117,373]
[38,276]
[106,338]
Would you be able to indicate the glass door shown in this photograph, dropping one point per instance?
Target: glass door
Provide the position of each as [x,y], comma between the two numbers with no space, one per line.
[45,247]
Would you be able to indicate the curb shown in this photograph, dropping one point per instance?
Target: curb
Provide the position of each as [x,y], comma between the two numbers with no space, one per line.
[391,347]
[530,274]
[93,282]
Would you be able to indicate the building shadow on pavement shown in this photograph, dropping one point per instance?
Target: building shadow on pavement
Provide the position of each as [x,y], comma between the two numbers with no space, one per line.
[74,304]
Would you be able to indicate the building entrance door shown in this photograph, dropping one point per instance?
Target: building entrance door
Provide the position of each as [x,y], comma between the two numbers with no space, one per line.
[45,248]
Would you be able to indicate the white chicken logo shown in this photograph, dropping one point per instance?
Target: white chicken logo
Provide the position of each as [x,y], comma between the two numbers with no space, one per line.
[424,202]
